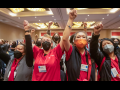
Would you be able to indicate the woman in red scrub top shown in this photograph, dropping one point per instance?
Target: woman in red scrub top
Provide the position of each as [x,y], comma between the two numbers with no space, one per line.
[80,66]
[47,60]
[108,60]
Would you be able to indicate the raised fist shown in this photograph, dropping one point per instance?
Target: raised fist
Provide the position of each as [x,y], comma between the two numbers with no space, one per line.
[73,14]
[97,29]
[26,25]
[85,24]
[33,30]
[36,35]
[50,23]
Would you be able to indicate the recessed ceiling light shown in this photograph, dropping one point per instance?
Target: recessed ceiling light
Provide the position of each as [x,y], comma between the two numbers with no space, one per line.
[118,27]
[39,20]
[88,15]
[102,18]
[18,17]
[107,14]
[85,18]
[35,17]
[54,19]
[52,16]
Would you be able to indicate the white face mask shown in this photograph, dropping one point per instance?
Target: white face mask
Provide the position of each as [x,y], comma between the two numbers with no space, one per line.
[108,48]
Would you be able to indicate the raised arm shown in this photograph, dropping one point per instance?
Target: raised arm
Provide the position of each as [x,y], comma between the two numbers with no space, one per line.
[95,54]
[85,27]
[68,29]
[29,51]
[49,25]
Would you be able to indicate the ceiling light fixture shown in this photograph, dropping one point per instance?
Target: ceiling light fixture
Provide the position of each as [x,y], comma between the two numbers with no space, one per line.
[16,10]
[13,14]
[88,15]
[38,28]
[118,27]
[102,18]
[52,16]
[18,17]
[114,10]
[35,17]
[54,19]
[39,20]
[107,14]
[36,9]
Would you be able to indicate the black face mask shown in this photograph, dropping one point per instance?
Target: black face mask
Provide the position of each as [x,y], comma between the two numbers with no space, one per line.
[56,38]
[17,54]
[46,45]
[116,43]
[38,43]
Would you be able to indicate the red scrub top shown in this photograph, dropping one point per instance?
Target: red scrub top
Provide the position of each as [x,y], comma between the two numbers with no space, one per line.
[83,74]
[51,61]
[113,62]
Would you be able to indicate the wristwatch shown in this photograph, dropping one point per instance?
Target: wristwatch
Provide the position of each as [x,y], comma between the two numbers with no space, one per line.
[85,27]
[27,31]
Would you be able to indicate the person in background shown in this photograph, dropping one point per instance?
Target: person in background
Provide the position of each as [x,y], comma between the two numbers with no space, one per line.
[116,43]
[88,44]
[71,39]
[56,37]
[19,68]
[77,57]
[13,46]
[38,43]
[4,58]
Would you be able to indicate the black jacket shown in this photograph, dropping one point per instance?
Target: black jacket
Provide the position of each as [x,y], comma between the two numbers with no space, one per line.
[73,66]
[105,73]
[3,56]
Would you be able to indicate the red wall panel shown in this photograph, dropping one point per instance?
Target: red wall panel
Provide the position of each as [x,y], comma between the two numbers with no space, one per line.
[115,33]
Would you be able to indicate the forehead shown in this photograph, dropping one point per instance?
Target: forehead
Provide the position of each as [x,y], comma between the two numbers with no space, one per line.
[106,41]
[39,39]
[115,40]
[20,46]
[80,34]
[45,38]
[56,34]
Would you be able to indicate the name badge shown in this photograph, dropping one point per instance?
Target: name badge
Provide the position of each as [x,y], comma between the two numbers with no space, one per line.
[10,72]
[114,72]
[42,68]
[84,67]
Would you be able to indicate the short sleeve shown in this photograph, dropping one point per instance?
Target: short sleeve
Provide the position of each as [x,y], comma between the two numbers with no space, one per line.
[36,50]
[58,51]
[68,53]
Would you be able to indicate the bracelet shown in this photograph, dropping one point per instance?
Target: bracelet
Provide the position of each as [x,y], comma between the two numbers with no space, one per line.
[85,27]
[27,31]
[69,26]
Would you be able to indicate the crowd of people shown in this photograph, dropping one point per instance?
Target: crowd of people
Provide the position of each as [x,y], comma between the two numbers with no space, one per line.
[52,58]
